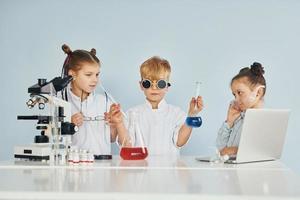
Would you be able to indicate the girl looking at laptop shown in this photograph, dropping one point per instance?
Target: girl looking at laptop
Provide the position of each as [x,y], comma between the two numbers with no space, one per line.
[248,88]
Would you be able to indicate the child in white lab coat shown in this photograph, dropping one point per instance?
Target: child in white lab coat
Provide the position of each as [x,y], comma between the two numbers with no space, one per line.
[162,125]
[87,107]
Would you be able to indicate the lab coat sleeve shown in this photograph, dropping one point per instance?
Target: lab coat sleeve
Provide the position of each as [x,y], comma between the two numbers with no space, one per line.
[223,136]
[125,121]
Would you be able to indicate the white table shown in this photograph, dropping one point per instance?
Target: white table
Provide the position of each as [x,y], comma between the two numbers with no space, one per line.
[154,178]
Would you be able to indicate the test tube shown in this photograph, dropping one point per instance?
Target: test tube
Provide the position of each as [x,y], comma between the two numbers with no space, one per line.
[197,91]
[195,121]
[112,100]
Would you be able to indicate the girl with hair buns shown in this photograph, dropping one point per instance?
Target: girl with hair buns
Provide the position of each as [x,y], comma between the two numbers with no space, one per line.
[88,108]
[248,88]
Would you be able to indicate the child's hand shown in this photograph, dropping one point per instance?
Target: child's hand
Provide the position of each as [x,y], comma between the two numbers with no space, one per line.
[114,116]
[196,105]
[77,119]
[229,151]
[233,113]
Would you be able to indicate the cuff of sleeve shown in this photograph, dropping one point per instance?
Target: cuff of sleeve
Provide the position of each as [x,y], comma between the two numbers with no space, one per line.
[226,126]
[175,138]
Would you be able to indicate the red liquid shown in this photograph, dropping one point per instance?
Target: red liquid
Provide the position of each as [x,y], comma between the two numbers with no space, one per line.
[134,153]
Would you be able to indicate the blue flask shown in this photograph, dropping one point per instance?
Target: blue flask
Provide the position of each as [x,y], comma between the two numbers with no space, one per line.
[194,122]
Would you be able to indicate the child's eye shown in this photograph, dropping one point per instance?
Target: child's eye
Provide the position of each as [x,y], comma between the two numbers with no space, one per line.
[97,74]
[239,93]
[88,74]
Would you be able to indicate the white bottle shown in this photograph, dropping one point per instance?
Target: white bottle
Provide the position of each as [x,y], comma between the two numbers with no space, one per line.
[90,157]
[83,156]
[76,158]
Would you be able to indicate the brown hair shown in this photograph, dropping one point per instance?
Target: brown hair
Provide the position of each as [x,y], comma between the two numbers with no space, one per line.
[155,66]
[254,75]
[75,59]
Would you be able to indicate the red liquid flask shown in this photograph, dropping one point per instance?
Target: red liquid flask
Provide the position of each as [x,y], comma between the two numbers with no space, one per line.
[134,153]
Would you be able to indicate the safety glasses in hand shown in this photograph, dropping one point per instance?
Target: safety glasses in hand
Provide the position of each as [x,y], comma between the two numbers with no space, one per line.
[97,118]
[94,118]
[160,84]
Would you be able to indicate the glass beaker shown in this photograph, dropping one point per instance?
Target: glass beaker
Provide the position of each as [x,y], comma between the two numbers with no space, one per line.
[195,121]
[133,149]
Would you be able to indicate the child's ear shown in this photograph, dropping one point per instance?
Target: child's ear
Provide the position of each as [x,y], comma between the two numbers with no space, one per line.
[260,92]
[71,73]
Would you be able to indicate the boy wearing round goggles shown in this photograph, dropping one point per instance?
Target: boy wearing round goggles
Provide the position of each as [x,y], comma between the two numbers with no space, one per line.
[162,125]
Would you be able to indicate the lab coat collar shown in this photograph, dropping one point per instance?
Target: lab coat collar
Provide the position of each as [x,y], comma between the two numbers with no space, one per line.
[73,96]
[161,105]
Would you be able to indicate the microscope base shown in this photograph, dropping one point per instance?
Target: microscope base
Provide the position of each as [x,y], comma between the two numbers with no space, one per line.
[35,152]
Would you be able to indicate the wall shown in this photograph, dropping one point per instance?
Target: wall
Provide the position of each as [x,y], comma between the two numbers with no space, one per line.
[207,41]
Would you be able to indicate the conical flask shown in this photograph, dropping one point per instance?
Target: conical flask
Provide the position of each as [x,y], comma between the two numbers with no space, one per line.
[133,146]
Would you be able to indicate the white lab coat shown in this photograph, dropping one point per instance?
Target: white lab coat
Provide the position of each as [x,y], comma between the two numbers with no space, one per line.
[92,135]
[159,127]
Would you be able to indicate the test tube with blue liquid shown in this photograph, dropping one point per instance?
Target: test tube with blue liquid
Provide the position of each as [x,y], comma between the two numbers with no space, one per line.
[195,121]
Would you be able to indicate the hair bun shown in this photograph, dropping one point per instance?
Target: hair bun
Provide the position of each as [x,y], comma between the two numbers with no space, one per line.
[257,69]
[93,51]
[66,49]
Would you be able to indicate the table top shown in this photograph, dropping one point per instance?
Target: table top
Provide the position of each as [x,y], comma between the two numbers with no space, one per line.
[156,177]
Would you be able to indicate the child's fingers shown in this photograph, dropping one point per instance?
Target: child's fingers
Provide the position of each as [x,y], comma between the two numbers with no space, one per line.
[114,107]
[106,116]
[78,120]
[118,116]
[193,102]
[199,98]
[231,109]
[196,104]
[200,107]
[77,114]
[111,106]
[196,100]
[199,101]
[115,111]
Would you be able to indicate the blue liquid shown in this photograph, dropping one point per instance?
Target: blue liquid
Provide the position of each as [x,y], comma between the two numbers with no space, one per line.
[194,122]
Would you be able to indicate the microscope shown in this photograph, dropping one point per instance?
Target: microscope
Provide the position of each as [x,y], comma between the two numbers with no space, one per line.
[55,127]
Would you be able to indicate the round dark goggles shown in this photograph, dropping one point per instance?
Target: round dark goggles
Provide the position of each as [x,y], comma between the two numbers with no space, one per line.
[160,84]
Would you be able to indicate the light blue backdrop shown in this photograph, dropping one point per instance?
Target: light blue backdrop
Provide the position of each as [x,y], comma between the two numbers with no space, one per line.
[207,41]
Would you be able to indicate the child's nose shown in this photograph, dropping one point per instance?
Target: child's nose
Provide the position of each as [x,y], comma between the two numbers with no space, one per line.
[95,79]
[154,85]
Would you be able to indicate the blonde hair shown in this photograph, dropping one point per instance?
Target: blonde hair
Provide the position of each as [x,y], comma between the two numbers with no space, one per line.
[154,67]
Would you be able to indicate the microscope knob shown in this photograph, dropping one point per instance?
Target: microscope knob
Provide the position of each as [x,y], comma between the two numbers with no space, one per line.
[68,128]
[41,139]
[41,81]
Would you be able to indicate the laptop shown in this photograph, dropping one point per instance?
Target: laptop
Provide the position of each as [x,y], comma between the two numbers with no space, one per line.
[262,137]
